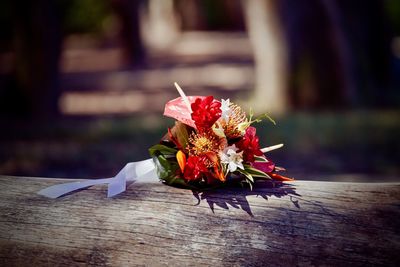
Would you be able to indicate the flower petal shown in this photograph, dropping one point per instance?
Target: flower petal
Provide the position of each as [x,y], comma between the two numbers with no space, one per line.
[264,166]
[181,158]
[178,110]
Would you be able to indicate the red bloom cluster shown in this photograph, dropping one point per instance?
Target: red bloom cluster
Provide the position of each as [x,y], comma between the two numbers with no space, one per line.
[195,167]
[205,112]
[249,145]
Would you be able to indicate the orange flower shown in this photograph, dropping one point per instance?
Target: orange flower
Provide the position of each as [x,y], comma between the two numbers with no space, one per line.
[214,160]
[280,177]
[219,174]
[181,158]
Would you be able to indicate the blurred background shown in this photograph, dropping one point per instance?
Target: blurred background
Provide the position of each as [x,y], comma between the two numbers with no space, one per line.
[83,83]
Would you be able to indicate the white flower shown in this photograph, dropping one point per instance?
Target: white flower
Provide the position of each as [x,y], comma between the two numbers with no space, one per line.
[225,109]
[231,158]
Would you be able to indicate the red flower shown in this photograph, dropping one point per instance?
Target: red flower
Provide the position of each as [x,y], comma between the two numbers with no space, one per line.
[195,167]
[205,112]
[249,145]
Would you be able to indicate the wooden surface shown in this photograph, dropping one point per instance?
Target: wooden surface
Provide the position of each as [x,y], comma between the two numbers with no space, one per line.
[308,223]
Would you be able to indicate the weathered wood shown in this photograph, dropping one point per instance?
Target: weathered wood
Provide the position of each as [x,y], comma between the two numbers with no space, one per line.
[308,223]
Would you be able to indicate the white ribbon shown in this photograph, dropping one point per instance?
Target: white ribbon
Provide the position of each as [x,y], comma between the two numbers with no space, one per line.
[138,172]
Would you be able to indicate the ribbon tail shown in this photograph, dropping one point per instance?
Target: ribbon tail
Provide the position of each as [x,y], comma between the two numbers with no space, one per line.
[58,190]
[141,171]
[118,184]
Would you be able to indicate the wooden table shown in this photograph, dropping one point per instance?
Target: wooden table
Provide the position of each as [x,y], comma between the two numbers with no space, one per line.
[307,223]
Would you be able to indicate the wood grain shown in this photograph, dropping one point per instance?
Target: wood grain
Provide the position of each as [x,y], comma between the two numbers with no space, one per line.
[303,224]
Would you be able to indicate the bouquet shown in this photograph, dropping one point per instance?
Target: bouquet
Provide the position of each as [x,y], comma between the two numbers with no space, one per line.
[211,143]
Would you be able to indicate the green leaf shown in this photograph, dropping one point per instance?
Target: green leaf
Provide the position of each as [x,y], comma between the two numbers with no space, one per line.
[251,186]
[177,181]
[162,149]
[260,159]
[247,175]
[251,113]
[163,167]
[167,170]
[247,182]
[181,133]
[255,172]
[269,118]
[258,119]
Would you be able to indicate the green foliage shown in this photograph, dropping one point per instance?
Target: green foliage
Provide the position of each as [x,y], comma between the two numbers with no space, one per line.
[255,173]
[248,176]
[392,8]
[162,149]
[168,170]
[166,166]
[86,16]
[181,133]
[250,120]
[260,159]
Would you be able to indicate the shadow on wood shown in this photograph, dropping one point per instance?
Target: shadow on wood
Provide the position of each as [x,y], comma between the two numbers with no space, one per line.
[236,197]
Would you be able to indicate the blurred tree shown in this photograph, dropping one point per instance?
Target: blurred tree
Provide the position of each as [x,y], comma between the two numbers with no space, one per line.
[392,9]
[6,29]
[159,23]
[37,38]
[191,15]
[316,78]
[339,53]
[210,15]
[223,15]
[128,13]
[367,30]
[85,16]
[269,50]
[343,48]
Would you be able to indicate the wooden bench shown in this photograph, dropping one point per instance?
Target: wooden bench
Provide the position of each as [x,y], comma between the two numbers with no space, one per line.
[307,223]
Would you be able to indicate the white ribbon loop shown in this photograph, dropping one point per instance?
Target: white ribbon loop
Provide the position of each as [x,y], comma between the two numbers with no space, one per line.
[141,172]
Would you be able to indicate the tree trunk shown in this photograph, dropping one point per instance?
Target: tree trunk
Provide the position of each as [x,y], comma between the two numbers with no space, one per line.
[128,13]
[160,27]
[37,50]
[269,49]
